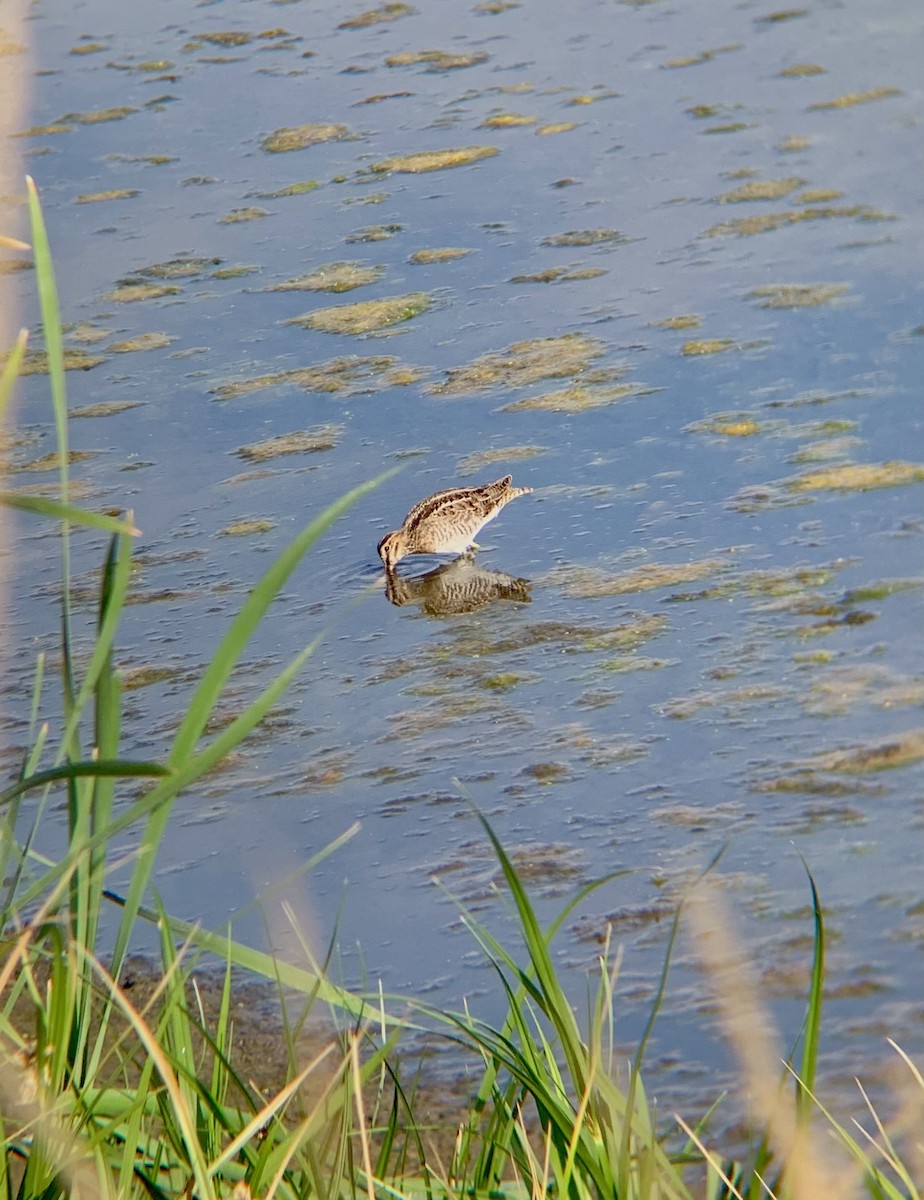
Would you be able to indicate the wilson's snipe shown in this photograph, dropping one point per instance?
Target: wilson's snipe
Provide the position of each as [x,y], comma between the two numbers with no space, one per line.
[447,522]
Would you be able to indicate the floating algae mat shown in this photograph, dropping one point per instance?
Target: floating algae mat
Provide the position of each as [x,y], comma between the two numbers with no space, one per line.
[366,316]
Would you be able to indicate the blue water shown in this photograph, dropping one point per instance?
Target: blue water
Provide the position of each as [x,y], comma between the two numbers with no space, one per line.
[655,766]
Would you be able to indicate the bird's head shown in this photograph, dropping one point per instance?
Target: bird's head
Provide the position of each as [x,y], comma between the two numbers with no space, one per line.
[392,548]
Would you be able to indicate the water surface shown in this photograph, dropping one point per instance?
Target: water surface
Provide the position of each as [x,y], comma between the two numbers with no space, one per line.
[713,635]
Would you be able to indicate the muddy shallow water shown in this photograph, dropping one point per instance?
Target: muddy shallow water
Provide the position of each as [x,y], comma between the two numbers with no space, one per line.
[687,315]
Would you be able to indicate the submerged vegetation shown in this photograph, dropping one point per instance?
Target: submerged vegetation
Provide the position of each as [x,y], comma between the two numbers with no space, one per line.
[103,1096]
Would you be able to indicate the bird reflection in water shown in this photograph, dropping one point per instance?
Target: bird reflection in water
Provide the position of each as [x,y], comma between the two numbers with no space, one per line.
[460,586]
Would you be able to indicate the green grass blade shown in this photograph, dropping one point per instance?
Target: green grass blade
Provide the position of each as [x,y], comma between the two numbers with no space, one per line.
[556,1004]
[54,349]
[805,1086]
[114,588]
[115,768]
[51,325]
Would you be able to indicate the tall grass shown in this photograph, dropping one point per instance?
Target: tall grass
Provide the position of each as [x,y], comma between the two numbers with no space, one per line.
[100,1096]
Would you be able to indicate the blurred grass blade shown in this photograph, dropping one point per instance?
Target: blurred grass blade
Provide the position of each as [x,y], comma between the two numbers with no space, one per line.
[159,801]
[188,766]
[242,628]
[10,372]
[44,507]
[255,961]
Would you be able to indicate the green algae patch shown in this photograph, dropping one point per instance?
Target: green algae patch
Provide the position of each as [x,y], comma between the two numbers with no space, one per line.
[826,450]
[557,127]
[379,97]
[347,376]
[696,60]
[818,196]
[247,528]
[856,688]
[35,362]
[366,316]
[440,254]
[574,399]
[550,276]
[149,160]
[590,583]
[798,295]
[301,137]
[436,61]
[702,346]
[142,341]
[576,274]
[732,699]
[51,130]
[782,14]
[433,160]
[857,477]
[106,408]
[112,194]
[794,143]
[300,441]
[292,189]
[225,37]
[504,682]
[560,275]
[96,116]
[885,754]
[131,293]
[748,226]
[523,363]
[487,458]
[740,425]
[135,678]
[507,120]
[88,48]
[52,461]
[546,773]
[177,268]
[236,271]
[681,321]
[367,199]
[332,277]
[729,127]
[801,71]
[853,98]
[767,189]
[587,237]
[373,233]
[239,215]
[85,333]
[585,98]
[377,16]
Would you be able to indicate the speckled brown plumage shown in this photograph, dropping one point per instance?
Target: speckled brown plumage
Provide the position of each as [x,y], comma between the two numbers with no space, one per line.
[447,522]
